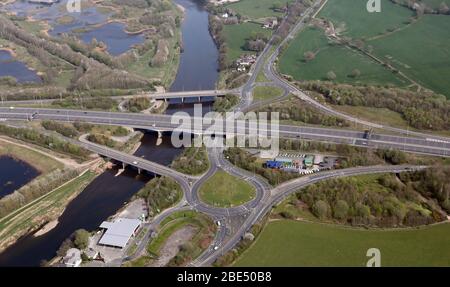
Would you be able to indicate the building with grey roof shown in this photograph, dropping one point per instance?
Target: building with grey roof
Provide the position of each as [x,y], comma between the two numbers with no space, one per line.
[119,232]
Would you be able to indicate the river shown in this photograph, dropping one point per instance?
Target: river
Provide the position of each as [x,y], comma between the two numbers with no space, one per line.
[107,193]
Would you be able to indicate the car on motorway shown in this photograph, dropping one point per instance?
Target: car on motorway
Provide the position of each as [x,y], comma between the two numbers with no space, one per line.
[11,108]
[135,162]
[216,247]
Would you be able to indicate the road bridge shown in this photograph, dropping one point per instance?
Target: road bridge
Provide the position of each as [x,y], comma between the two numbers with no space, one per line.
[137,162]
[156,96]
[155,122]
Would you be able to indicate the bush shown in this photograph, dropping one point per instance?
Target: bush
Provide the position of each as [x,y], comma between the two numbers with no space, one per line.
[81,239]
[340,210]
[320,209]
[101,139]
[160,193]
[66,130]
[192,161]
[223,104]
[331,76]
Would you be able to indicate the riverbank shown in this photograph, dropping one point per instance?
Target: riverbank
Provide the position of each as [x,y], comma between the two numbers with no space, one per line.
[41,211]
[43,161]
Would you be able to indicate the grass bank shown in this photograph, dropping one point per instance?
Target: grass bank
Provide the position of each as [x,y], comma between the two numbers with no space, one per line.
[225,190]
[37,160]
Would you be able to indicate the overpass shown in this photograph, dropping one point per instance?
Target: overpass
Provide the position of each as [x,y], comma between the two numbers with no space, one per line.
[185,94]
[156,96]
[134,161]
[430,146]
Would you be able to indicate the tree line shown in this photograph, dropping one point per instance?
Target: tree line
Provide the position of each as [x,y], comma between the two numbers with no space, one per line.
[299,111]
[422,110]
[406,199]
[47,141]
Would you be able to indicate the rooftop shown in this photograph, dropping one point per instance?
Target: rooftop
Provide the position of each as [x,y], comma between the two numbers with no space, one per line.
[73,257]
[119,232]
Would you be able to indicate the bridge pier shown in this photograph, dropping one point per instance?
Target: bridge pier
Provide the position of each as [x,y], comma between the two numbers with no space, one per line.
[123,165]
[182,100]
[139,171]
[199,99]
[159,139]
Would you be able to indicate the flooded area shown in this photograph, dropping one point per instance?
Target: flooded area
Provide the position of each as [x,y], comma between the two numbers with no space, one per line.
[114,36]
[9,66]
[91,23]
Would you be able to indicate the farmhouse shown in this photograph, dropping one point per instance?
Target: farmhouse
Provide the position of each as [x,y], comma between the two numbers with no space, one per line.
[245,61]
[270,24]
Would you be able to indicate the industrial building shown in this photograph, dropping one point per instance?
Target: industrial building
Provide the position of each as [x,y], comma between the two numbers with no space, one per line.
[301,163]
[118,233]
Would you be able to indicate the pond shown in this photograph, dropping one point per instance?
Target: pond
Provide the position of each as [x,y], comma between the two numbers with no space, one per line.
[91,22]
[9,66]
[114,36]
[14,174]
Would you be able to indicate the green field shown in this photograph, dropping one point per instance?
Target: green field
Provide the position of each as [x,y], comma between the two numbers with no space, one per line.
[256,9]
[236,36]
[205,230]
[378,115]
[294,243]
[262,93]
[428,62]
[225,190]
[342,61]
[351,17]
[420,49]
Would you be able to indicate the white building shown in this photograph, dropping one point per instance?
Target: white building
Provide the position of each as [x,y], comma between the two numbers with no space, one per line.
[119,232]
[72,258]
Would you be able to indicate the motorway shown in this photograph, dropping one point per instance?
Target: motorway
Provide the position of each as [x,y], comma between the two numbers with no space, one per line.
[420,145]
